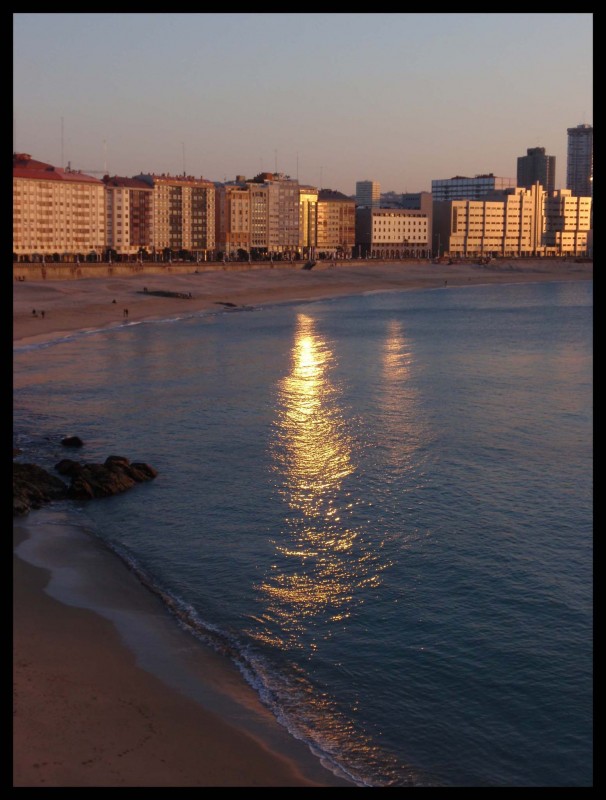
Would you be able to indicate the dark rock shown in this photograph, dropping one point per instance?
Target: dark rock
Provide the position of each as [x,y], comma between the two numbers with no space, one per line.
[72,441]
[33,487]
[116,475]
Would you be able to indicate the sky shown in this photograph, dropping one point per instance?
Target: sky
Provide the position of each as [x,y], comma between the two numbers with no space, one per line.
[329,99]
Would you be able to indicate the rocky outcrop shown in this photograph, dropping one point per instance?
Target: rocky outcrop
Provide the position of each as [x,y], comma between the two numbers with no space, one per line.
[34,486]
[115,475]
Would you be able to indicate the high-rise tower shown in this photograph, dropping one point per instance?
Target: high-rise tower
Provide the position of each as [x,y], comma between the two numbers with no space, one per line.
[536,166]
[579,168]
[368,193]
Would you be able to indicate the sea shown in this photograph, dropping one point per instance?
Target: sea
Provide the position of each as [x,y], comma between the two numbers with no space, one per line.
[378,508]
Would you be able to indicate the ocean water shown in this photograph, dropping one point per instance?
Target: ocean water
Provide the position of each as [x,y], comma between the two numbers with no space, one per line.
[378,507]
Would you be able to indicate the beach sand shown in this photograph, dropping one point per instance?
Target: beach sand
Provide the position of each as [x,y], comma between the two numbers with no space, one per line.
[84,712]
[70,305]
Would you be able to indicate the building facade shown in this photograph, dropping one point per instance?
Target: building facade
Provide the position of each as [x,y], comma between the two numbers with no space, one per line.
[233,218]
[335,224]
[129,216]
[579,165]
[461,188]
[308,218]
[57,213]
[368,193]
[520,223]
[183,215]
[388,233]
[535,167]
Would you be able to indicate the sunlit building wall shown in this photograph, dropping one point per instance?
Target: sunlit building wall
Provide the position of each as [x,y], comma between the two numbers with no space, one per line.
[183,214]
[336,224]
[567,223]
[308,202]
[275,213]
[233,217]
[521,223]
[391,233]
[56,212]
[128,203]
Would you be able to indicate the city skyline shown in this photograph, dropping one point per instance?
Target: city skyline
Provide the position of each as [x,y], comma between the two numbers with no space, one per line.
[330,99]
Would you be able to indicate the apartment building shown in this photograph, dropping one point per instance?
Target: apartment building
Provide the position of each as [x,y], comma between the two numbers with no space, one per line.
[308,217]
[335,225]
[392,233]
[57,213]
[129,215]
[233,217]
[516,223]
[535,167]
[183,214]
[274,214]
[567,224]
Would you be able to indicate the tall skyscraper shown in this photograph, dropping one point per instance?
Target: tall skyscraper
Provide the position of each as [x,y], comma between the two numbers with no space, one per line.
[579,169]
[368,193]
[536,166]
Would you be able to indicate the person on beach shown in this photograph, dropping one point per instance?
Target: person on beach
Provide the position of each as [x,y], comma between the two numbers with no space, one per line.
[42,314]
[126,312]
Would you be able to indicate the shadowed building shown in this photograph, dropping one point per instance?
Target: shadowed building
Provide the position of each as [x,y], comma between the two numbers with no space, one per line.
[579,166]
[536,166]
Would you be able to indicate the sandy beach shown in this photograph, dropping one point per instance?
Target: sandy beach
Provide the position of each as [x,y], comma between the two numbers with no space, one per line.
[70,305]
[85,713]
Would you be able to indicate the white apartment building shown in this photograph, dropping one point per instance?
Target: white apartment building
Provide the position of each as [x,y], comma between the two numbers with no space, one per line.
[521,223]
[392,233]
[57,213]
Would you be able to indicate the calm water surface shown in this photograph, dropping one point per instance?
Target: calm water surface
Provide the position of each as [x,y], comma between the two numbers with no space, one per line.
[379,507]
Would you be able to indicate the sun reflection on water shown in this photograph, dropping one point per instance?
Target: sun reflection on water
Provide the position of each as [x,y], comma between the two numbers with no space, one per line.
[322,564]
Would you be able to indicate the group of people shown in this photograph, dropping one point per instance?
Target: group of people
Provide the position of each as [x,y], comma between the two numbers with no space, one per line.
[35,313]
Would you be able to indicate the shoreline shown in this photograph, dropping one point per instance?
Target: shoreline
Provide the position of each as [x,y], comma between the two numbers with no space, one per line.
[85,712]
[88,303]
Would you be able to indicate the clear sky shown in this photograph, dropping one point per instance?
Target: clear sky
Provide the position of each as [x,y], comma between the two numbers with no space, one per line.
[329,99]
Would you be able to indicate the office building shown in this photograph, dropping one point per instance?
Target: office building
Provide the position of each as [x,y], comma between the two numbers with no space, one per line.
[579,166]
[368,193]
[462,188]
[536,166]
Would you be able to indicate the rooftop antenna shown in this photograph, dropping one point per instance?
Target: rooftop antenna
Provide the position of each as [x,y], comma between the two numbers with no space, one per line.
[105,172]
[275,161]
[183,148]
[297,166]
[321,168]
[61,142]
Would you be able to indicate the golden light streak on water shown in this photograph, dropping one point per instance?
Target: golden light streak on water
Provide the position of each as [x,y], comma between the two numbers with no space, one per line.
[321,564]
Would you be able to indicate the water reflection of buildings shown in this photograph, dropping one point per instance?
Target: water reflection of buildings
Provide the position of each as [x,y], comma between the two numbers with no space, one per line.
[321,560]
[403,427]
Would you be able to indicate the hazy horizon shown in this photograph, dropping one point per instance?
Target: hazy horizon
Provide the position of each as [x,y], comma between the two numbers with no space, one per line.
[330,99]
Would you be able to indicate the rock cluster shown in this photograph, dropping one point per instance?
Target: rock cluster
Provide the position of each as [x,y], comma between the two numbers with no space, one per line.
[34,486]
